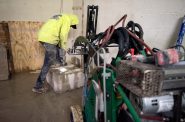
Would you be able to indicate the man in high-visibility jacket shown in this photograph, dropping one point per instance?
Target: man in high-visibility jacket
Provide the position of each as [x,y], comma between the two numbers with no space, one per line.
[53,36]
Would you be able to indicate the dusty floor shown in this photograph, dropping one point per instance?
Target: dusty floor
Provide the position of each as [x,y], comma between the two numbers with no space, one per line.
[19,104]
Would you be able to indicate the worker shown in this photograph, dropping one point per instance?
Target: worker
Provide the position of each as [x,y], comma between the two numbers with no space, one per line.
[53,36]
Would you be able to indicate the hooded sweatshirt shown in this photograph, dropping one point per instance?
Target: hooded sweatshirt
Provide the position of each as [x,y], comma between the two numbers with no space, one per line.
[55,30]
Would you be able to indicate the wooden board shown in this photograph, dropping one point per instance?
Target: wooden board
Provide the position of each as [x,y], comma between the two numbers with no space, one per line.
[27,52]
[4,73]
[3,33]
[5,40]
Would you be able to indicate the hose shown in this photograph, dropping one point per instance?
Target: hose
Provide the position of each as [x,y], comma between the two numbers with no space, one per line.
[141,41]
[129,105]
[111,29]
[122,19]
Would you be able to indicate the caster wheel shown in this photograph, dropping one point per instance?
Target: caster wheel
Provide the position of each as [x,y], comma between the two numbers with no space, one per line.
[76,114]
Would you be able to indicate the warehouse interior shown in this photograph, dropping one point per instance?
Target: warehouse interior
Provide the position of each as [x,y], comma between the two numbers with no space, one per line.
[22,57]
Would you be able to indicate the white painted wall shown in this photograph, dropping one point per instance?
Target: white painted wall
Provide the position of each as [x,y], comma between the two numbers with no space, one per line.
[160,19]
[41,10]
[28,10]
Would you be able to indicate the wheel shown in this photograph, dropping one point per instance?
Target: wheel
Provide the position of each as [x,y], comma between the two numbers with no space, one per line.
[76,114]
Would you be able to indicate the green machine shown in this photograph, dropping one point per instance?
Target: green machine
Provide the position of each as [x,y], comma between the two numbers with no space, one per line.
[104,98]
[94,109]
[131,88]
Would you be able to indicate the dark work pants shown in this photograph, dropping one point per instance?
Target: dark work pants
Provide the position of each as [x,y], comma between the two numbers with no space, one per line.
[51,57]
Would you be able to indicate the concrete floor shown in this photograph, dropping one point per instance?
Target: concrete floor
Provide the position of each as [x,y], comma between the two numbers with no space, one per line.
[19,104]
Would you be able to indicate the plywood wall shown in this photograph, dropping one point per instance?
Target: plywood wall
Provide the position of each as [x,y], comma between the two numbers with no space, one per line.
[27,52]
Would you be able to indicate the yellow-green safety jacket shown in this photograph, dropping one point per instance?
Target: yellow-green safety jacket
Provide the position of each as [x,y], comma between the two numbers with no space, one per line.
[55,30]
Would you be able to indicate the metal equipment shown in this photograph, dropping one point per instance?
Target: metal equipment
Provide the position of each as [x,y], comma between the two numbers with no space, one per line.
[174,77]
[126,90]
[154,105]
[102,98]
[141,79]
[92,16]
[149,80]
[152,88]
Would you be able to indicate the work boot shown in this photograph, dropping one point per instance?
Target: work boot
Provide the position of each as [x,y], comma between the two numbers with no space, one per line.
[38,90]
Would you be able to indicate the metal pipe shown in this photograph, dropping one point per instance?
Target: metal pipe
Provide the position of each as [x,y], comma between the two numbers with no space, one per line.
[110,30]
[98,58]
[104,87]
[129,105]
[99,99]
[123,18]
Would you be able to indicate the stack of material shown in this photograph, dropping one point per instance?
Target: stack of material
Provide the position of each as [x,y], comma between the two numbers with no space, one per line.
[4,34]
[65,78]
[26,50]
[4,72]
[5,41]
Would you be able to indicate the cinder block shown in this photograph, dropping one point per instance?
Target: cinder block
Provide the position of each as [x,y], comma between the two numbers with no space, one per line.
[66,78]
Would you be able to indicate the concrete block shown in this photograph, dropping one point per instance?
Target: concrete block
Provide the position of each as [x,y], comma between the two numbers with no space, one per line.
[65,78]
